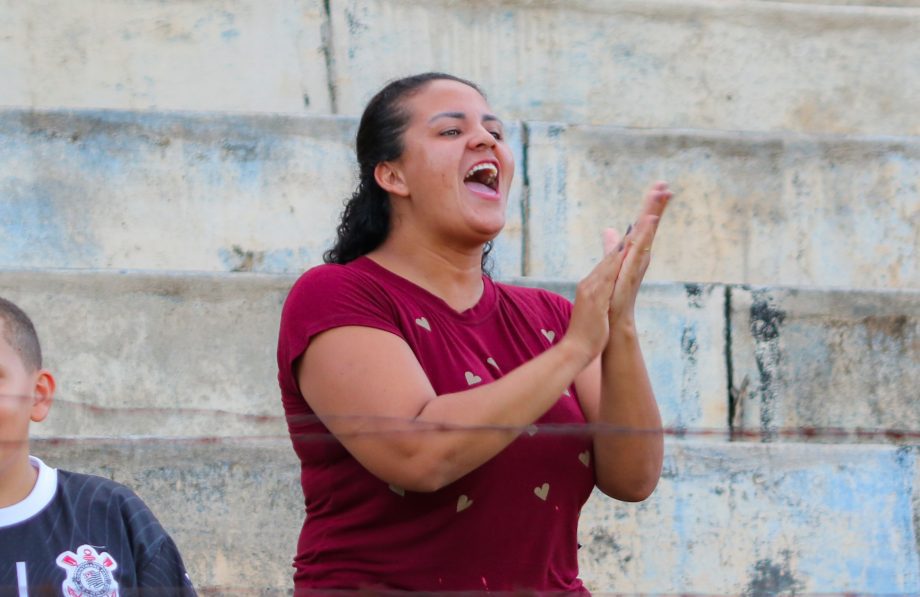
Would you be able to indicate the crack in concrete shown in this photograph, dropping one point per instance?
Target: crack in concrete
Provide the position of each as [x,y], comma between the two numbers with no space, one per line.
[729,367]
[329,57]
[525,199]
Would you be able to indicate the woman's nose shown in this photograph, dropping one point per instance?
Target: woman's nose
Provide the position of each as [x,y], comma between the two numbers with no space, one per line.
[482,138]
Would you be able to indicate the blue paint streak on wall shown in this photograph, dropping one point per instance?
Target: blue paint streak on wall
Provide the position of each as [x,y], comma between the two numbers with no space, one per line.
[875,492]
[284,260]
[37,227]
[683,507]
[671,370]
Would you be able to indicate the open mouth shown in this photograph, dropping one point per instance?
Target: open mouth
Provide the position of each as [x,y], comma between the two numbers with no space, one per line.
[482,178]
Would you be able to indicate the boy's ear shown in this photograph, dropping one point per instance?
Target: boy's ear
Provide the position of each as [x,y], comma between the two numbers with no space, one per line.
[43,395]
[390,178]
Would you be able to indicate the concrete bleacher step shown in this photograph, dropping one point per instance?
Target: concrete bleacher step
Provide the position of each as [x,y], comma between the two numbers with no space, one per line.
[753,208]
[727,518]
[265,56]
[802,364]
[180,354]
[263,193]
[182,191]
[882,3]
[740,64]
[737,65]
[843,365]
[194,354]
[157,354]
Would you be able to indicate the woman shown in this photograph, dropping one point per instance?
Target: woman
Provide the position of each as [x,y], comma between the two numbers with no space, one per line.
[422,397]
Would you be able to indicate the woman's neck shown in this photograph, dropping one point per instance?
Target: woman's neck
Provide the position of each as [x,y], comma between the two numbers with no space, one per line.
[455,276]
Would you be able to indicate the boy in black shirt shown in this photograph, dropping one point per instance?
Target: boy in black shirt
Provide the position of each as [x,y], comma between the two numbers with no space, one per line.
[64,533]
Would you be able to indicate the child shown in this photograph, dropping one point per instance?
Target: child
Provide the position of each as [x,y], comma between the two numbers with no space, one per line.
[64,533]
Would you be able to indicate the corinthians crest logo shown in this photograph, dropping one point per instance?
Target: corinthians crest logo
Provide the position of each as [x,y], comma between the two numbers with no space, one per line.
[89,573]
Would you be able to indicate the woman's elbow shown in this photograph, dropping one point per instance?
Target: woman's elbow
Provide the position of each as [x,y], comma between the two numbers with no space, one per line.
[636,488]
[632,493]
[421,474]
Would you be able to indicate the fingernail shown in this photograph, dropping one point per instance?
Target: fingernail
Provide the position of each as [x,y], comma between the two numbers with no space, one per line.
[628,230]
[620,247]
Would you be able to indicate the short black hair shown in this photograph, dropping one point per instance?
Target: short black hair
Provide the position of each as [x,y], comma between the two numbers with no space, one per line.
[19,333]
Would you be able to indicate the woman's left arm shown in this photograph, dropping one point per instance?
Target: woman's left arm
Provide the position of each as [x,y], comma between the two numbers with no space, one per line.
[615,391]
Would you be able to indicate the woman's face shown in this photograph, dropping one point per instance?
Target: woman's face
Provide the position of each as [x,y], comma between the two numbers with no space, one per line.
[456,166]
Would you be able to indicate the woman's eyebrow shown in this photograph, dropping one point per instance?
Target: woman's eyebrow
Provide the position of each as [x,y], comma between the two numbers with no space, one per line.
[462,116]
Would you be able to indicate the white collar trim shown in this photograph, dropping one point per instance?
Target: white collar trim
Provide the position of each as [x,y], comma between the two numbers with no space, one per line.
[40,496]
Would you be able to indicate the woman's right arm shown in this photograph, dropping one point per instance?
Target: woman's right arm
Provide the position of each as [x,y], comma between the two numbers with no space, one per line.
[370,391]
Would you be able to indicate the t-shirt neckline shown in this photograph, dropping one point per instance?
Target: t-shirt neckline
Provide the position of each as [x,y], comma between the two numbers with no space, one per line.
[40,496]
[478,312]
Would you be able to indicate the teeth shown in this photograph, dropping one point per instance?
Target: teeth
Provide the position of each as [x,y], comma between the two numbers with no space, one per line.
[485,166]
[492,176]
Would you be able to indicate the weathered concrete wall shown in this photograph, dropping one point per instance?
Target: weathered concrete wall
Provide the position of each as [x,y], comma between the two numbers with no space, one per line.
[818,66]
[805,358]
[194,355]
[157,355]
[183,192]
[263,193]
[881,3]
[234,55]
[916,494]
[727,64]
[748,208]
[726,518]
[751,519]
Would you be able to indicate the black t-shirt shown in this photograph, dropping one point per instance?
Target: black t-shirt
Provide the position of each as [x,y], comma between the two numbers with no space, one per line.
[82,535]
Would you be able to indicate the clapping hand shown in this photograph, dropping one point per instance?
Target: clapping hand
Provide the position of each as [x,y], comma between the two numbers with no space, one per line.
[636,245]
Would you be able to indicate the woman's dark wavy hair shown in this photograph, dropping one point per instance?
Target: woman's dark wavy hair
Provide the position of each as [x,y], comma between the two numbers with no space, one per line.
[365,221]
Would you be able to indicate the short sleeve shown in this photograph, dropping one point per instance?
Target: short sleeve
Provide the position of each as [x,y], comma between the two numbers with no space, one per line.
[326,297]
[164,573]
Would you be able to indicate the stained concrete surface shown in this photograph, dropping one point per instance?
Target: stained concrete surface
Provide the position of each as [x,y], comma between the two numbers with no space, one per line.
[808,359]
[748,208]
[745,519]
[168,191]
[233,55]
[712,64]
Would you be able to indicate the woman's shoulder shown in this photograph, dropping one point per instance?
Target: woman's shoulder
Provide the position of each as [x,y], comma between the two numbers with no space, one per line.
[329,273]
[335,293]
[330,280]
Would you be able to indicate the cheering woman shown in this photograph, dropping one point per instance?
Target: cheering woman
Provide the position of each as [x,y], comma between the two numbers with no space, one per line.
[445,422]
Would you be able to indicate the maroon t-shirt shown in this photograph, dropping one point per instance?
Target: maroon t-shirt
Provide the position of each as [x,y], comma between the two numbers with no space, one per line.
[511,523]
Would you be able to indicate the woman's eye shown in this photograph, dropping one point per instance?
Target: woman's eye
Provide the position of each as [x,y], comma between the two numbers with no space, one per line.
[450,133]
[497,135]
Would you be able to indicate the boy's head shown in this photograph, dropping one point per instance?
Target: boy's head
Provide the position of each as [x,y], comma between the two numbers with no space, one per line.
[17,330]
[26,390]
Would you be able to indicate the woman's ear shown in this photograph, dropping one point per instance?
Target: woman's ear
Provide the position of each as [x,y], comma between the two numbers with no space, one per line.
[43,395]
[391,179]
